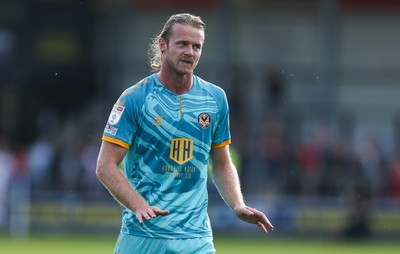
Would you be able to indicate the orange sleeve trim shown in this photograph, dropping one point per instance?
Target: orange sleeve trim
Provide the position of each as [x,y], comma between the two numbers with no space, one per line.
[225,143]
[116,141]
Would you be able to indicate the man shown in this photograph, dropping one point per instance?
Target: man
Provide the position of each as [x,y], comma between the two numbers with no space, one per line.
[165,127]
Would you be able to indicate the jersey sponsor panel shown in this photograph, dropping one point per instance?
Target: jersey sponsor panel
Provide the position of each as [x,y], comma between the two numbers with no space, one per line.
[169,138]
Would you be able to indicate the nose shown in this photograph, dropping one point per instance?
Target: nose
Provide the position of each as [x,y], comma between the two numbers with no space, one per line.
[189,50]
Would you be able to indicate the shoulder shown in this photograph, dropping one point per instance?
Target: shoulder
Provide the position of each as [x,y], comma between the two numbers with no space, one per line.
[215,91]
[138,91]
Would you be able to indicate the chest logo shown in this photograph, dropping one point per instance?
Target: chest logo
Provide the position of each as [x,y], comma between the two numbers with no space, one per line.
[181,150]
[158,121]
[204,120]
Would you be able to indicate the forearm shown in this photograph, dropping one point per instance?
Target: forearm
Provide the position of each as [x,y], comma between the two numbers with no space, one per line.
[114,180]
[226,180]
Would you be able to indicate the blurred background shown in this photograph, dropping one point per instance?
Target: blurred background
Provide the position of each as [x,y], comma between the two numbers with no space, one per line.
[313,87]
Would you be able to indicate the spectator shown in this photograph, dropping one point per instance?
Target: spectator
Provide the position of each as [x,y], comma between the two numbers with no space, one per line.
[275,88]
[40,159]
[88,159]
[371,159]
[394,176]
[70,171]
[6,169]
[275,155]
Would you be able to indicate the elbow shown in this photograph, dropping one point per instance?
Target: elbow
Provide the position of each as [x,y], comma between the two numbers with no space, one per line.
[100,170]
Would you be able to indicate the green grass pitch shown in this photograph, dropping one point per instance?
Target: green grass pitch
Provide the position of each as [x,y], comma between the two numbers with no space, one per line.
[224,245]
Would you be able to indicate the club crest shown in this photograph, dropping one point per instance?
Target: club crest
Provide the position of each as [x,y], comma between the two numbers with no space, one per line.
[204,120]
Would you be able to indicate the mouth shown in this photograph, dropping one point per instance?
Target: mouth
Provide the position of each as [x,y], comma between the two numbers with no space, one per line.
[186,61]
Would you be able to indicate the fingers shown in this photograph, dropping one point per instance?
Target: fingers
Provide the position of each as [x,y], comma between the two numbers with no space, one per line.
[163,212]
[266,225]
[261,220]
[149,213]
[260,225]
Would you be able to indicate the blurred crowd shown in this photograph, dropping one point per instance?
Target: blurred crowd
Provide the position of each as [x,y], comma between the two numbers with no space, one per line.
[46,167]
[276,157]
[282,153]
[321,164]
[276,151]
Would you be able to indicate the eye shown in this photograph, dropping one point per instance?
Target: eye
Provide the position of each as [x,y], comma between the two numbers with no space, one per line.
[197,46]
[181,43]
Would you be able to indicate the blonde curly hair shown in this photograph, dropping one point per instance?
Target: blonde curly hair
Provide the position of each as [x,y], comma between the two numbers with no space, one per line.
[154,52]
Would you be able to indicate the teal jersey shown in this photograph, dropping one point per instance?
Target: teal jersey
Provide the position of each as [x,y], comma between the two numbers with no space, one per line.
[169,138]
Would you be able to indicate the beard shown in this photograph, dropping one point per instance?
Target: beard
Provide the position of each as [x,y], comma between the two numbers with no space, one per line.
[181,68]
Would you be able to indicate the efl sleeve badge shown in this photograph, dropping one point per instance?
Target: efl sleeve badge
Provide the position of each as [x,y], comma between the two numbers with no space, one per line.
[115,114]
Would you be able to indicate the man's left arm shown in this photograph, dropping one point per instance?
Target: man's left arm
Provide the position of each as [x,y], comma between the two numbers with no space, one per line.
[226,179]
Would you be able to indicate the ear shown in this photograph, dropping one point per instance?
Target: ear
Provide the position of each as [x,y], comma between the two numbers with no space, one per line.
[163,45]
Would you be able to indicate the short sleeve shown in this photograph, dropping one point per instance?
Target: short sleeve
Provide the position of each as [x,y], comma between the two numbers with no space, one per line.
[222,136]
[121,124]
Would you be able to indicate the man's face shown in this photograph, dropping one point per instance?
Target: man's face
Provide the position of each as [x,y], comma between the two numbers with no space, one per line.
[183,51]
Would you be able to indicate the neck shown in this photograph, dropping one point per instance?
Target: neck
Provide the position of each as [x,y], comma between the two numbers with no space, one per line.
[178,84]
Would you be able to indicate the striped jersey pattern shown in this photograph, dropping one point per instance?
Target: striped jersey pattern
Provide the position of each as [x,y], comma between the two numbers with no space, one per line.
[168,138]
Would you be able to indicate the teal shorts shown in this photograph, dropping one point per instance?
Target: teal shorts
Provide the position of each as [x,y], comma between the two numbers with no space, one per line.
[130,244]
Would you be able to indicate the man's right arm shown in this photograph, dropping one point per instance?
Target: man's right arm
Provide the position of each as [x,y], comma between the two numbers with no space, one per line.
[111,176]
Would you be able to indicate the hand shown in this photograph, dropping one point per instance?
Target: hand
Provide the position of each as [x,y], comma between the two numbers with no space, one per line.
[149,212]
[253,216]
